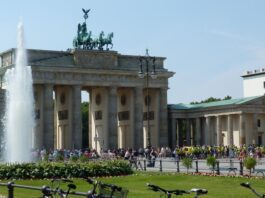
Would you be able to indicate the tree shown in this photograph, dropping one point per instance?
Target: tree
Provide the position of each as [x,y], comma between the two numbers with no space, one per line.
[85,124]
[227,98]
[250,163]
[212,99]
[211,161]
[187,162]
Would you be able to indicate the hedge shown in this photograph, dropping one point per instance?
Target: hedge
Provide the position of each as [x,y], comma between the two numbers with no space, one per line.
[64,170]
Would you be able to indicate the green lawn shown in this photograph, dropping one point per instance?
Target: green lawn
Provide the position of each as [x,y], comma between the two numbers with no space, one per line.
[217,186]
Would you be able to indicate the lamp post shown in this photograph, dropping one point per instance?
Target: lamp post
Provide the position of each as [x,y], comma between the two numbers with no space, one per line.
[146,72]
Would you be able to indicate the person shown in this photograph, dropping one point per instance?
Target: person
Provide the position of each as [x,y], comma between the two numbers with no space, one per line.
[127,154]
[153,156]
[43,153]
[133,160]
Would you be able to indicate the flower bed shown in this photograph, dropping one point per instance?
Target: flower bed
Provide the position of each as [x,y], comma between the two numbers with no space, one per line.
[64,170]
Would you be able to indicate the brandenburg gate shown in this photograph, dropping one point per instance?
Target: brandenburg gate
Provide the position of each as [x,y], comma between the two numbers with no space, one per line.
[117,96]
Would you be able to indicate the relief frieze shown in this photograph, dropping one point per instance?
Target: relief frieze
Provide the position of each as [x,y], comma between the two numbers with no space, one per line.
[87,78]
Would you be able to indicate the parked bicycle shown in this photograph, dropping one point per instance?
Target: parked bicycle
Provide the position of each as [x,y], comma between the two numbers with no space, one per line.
[102,190]
[169,193]
[247,185]
[56,191]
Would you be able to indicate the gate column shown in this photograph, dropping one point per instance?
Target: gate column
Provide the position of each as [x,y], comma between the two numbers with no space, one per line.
[48,117]
[77,117]
[112,118]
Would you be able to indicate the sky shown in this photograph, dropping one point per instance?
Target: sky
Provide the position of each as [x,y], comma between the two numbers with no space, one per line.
[209,44]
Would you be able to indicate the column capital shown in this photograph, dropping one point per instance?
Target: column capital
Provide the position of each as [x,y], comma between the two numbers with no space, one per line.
[113,90]
[49,86]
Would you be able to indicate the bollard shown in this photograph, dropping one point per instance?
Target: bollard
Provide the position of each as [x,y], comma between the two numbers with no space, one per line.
[178,166]
[241,167]
[231,163]
[10,188]
[144,165]
[160,165]
[217,168]
[197,168]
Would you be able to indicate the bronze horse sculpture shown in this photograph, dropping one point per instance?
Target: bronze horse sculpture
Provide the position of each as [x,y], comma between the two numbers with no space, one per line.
[84,38]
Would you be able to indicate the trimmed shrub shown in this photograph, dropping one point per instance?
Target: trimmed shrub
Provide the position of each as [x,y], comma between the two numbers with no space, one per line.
[250,163]
[211,161]
[74,158]
[187,162]
[64,170]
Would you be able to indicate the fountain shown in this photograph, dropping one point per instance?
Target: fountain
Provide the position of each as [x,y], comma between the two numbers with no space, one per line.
[19,113]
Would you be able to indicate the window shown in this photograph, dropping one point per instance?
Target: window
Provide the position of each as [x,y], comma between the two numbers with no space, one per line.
[98,115]
[124,115]
[258,123]
[150,116]
[63,115]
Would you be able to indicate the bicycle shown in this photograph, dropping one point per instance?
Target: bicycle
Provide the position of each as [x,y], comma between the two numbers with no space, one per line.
[55,190]
[169,193]
[166,193]
[105,190]
[247,185]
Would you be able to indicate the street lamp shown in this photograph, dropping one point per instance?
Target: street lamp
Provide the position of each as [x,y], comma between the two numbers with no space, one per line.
[145,62]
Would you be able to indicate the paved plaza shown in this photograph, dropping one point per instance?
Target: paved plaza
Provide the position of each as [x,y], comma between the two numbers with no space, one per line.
[227,166]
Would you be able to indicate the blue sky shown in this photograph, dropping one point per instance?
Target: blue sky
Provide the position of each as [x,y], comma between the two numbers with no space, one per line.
[208,43]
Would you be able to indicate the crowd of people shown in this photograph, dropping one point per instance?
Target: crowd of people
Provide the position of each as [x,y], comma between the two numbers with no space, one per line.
[201,152]
[195,152]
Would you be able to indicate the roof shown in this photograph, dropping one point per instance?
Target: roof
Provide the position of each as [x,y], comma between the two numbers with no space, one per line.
[239,101]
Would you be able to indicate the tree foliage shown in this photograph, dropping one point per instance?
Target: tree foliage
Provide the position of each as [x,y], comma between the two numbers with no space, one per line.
[85,124]
[250,163]
[187,162]
[211,161]
[212,99]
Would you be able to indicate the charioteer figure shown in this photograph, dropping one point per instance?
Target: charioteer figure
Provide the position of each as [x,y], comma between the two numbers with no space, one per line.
[84,39]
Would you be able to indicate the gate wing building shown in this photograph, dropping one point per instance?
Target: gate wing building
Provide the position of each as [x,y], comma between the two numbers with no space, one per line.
[228,122]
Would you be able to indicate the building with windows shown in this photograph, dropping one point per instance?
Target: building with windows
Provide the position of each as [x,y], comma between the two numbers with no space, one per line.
[254,82]
[228,122]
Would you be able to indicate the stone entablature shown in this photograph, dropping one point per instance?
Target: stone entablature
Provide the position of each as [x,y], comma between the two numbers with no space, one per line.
[92,59]
[88,67]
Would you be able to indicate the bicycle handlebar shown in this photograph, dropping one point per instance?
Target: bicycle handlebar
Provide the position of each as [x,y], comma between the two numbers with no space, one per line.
[63,180]
[199,191]
[247,185]
[95,184]
[112,186]
[157,188]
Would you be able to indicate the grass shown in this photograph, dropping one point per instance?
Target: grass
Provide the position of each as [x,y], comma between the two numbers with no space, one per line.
[136,184]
